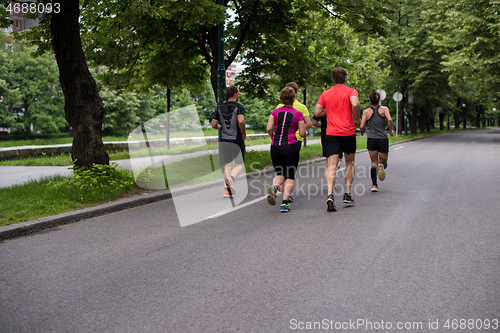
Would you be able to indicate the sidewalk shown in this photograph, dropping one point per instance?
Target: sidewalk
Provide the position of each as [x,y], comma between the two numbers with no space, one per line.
[14,175]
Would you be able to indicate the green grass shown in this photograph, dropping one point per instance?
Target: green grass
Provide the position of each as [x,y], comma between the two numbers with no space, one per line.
[55,195]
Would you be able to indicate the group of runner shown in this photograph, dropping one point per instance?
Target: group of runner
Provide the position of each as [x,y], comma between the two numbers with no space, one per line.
[337,112]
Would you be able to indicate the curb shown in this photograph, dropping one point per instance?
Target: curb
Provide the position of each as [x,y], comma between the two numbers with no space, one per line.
[49,222]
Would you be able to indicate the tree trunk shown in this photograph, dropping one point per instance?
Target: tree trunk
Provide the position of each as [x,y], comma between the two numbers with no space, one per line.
[422,119]
[413,119]
[27,131]
[441,121]
[478,116]
[83,106]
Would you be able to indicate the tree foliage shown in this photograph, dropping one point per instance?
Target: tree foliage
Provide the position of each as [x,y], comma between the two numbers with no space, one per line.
[30,90]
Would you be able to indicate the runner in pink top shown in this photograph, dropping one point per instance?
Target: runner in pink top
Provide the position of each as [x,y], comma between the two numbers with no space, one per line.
[286,123]
[285,149]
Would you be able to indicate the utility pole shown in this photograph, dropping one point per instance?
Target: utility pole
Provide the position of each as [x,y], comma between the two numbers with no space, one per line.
[221,69]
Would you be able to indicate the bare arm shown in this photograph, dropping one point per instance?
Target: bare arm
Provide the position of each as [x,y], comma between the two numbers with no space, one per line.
[215,124]
[302,128]
[308,122]
[242,125]
[389,120]
[270,126]
[363,123]
[356,108]
[316,123]
[319,110]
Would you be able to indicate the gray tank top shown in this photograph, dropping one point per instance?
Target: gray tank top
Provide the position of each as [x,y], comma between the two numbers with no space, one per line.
[228,115]
[376,125]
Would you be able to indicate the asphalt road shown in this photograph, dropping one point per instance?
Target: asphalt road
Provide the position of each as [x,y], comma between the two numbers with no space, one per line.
[421,253]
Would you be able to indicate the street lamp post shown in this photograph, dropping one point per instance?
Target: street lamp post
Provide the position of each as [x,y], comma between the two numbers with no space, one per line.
[465,118]
[221,69]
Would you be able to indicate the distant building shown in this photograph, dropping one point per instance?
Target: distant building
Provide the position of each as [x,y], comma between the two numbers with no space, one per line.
[232,72]
[19,22]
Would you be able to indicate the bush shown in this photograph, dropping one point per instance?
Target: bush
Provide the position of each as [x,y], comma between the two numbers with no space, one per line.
[99,181]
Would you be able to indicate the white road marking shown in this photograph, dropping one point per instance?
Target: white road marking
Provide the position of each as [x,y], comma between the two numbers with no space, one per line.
[227,211]
[399,147]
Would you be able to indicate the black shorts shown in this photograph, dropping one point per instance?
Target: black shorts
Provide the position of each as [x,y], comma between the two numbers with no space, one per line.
[285,159]
[335,145]
[323,146]
[380,145]
[232,150]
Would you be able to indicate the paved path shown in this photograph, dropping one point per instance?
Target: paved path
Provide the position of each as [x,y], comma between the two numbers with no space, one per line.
[12,175]
[421,253]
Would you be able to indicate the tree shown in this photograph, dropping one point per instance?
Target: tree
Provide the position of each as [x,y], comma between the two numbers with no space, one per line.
[32,94]
[59,32]
[83,107]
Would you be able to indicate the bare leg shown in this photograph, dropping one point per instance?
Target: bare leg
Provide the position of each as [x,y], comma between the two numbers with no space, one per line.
[373,170]
[331,170]
[383,157]
[349,175]
[235,172]
[288,188]
[227,170]
[373,157]
[278,180]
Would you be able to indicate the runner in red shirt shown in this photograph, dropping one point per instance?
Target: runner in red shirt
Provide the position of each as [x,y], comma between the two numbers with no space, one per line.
[339,104]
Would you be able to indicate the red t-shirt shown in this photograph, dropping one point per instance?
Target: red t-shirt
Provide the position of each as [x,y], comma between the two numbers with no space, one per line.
[337,102]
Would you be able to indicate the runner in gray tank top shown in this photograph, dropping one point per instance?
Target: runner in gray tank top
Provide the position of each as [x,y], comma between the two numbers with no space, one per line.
[375,118]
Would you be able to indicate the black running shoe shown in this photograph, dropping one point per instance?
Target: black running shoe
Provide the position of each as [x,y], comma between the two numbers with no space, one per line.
[330,205]
[290,199]
[348,198]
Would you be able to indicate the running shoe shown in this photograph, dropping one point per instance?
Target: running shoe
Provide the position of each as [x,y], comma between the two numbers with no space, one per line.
[374,188]
[330,205]
[285,207]
[226,194]
[381,172]
[348,198]
[290,199]
[230,186]
[271,195]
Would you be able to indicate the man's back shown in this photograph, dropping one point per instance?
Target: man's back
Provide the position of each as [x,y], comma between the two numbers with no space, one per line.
[337,103]
[227,114]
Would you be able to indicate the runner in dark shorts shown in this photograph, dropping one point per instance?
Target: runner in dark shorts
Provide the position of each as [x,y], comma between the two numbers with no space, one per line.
[340,105]
[229,119]
[375,118]
[281,126]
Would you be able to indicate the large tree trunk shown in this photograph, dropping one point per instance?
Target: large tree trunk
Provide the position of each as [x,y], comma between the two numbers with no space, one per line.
[83,107]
